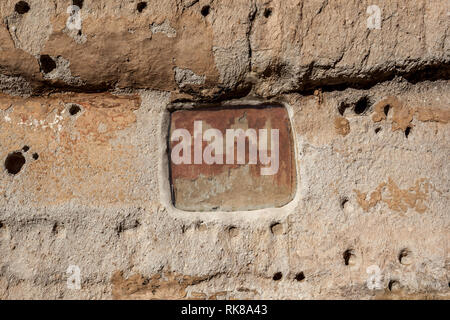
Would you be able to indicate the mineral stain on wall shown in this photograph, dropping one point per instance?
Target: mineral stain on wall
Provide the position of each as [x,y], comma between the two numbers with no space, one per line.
[234,186]
[395,198]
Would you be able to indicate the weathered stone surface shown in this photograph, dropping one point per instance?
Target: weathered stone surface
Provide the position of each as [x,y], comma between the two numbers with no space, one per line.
[93,198]
[63,142]
[276,46]
[17,67]
[307,43]
[84,129]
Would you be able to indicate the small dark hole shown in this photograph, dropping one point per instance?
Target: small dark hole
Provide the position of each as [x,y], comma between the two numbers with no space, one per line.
[35,156]
[74,109]
[362,105]
[1,224]
[141,6]
[275,227]
[267,12]
[22,7]
[347,255]
[277,276]
[205,10]
[300,276]
[119,229]
[386,109]
[377,130]
[391,284]
[25,148]
[403,253]
[47,63]
[342,108]
[14,162]
[78,3]
[343,202]
[407,131]
[55,229]
[79,32]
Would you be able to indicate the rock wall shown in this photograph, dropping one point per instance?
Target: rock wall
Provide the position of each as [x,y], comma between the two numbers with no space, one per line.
[88,91]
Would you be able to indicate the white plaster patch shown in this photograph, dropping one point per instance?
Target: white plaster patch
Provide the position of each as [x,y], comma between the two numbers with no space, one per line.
[163,28]
[62,72]
[185,77]
[44,124]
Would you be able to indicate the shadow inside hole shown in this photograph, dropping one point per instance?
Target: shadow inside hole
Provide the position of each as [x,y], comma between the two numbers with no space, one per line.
[277,276]
[343,202]
[233,231]
[362,105]
[22,7]
[78,3]
[377,130]
[407,131]
[392,283]
[403,254]
[205,10]
[35,156]
[74,109]
[386,109]
[347,255]
[25,148]
[55,228]
[342,107]
[141,6]
[276,228]
[267,12]
[300,276]
[47,63]
[14,162]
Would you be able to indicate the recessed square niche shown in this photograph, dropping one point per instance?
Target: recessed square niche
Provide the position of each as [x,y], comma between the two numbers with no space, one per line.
[235,158]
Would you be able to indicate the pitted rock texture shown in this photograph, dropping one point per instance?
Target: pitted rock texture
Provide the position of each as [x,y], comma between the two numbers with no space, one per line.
[85,103]
[276,46]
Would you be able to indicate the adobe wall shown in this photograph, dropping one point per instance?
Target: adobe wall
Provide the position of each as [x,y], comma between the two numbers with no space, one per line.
[84,125]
